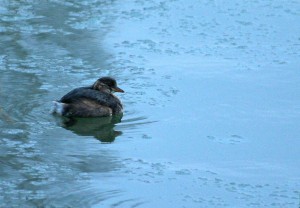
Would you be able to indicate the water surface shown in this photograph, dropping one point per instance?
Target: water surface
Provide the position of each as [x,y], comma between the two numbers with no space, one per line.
[211,104]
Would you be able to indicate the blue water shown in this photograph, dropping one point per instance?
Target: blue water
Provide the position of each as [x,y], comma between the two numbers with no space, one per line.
[211,105]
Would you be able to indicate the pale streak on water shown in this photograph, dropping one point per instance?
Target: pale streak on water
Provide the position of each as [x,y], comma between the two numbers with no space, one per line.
[211,104]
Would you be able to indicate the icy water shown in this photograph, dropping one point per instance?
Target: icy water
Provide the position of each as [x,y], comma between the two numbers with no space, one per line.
[212,103]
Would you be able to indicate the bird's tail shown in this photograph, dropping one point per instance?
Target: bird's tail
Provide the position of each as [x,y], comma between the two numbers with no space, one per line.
[58,107]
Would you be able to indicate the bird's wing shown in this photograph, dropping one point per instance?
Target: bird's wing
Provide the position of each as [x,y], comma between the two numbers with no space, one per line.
[90,94]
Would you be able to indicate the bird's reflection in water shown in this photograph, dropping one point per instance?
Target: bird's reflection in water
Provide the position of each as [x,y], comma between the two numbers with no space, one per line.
[101,128]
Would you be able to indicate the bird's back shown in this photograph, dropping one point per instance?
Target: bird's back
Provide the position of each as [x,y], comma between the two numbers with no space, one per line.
[84,101]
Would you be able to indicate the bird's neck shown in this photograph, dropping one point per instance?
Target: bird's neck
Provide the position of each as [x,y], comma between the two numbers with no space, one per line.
[101,87]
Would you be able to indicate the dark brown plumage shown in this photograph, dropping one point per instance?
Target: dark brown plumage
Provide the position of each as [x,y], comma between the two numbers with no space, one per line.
[93,101]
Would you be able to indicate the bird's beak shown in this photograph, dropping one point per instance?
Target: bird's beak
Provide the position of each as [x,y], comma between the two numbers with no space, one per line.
[116,89]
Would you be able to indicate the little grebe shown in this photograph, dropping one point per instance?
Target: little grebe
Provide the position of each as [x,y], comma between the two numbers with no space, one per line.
[93,101]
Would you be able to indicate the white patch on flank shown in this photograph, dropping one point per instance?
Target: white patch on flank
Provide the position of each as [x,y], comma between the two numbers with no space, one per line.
[57,107]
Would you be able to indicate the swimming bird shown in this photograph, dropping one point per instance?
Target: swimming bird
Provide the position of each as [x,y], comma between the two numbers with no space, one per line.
[93,101]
